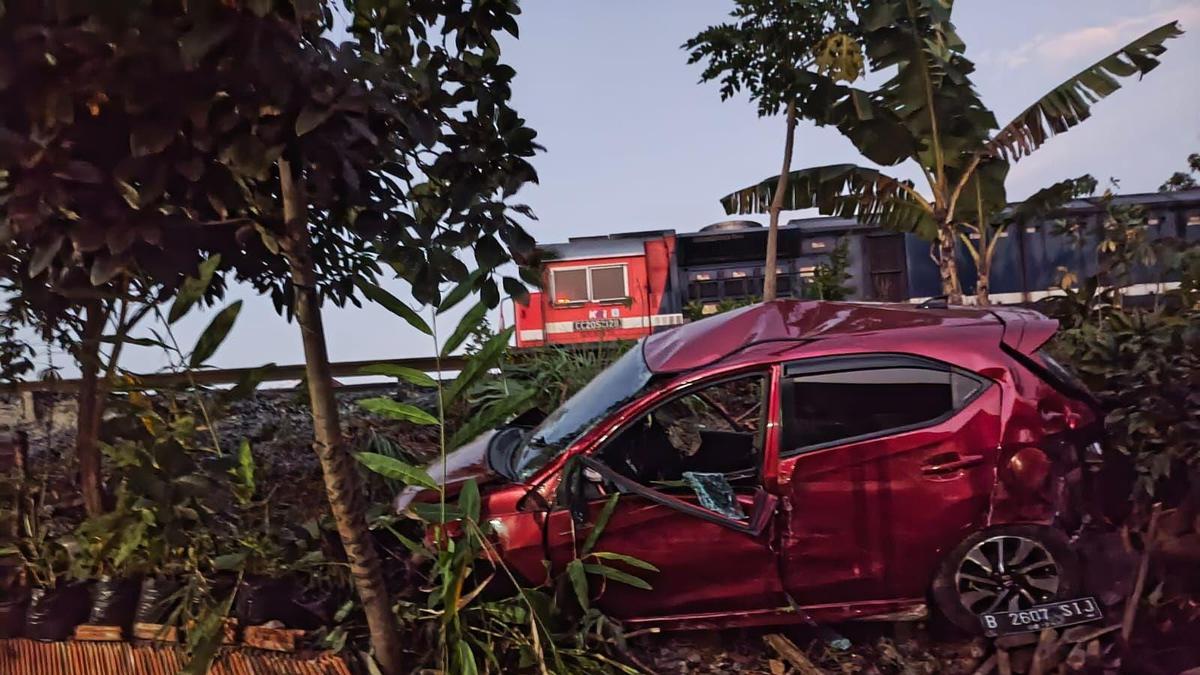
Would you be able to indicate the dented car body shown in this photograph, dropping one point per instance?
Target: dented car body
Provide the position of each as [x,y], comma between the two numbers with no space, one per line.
[804,461]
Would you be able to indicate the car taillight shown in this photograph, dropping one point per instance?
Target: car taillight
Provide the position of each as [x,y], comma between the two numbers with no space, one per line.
[1027,470]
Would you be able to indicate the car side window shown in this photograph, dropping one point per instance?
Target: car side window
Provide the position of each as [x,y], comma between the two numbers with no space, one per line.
[714,429]
[827,406]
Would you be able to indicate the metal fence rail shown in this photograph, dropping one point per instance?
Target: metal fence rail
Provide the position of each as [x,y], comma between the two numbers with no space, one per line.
[270,373]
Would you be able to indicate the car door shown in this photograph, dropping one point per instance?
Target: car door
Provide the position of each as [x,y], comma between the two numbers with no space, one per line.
[705,524]
[706,562]
[886,463]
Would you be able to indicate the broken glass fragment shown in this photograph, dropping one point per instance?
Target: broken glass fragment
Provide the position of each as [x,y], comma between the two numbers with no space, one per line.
[715,493]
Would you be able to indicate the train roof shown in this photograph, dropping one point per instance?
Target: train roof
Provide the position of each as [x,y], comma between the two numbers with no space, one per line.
[632,243]
[586,249]
[709,340]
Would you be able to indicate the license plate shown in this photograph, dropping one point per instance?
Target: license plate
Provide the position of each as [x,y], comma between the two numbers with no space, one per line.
[597,324]
[1052,615]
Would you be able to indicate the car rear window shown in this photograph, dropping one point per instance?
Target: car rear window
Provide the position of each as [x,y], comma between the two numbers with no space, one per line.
[841,406]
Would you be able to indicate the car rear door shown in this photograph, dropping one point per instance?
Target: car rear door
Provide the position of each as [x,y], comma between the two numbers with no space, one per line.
[886,462]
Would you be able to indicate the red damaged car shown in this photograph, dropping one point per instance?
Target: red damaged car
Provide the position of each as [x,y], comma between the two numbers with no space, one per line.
[809,462]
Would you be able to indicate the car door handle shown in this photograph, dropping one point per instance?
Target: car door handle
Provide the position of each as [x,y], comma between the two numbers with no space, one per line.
[942,465]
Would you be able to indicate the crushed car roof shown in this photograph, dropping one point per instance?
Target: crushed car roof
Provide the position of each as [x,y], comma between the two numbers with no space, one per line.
[704,342]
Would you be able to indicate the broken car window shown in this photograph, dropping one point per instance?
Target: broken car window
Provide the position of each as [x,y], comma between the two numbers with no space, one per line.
[712,430]
[609,390]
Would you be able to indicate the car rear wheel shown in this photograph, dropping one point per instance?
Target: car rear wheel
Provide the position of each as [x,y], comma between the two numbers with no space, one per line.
[1007,568]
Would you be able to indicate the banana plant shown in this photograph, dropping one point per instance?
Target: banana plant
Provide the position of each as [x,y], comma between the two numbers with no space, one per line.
[929,114]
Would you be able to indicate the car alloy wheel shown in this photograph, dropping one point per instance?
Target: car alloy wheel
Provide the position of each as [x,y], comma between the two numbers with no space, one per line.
[1004,568]
[1006,573]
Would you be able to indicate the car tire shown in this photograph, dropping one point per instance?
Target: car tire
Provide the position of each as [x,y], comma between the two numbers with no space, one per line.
[979,576]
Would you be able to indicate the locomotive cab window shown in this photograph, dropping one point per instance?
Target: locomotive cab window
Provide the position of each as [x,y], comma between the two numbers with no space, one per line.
[570,285]
[589,284]
[608,283]
[838,401]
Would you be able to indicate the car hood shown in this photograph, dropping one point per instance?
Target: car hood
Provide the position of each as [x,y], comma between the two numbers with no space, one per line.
[469,461]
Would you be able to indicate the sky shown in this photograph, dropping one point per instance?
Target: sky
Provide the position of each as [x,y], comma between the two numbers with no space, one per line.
[633,141]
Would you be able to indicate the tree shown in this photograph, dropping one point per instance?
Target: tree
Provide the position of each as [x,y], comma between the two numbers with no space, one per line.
[1183,180]
[770,49]
[928,113]
[829,279]
[91,223]
[298,161]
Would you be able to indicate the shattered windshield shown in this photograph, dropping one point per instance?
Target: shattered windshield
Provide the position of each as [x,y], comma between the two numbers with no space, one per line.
[613,387]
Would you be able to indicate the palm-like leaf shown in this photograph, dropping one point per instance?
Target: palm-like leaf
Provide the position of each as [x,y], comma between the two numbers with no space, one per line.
[845,190]
[863,118]
[1070,103]
[1049,199]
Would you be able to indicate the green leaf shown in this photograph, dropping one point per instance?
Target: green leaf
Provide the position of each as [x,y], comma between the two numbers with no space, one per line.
[247,383]
[468,501]
[230,561]
[139,341]
[311,117]
[843,190]
[432,513]
[193,288]
[516,290]
[601,522]
[260,8]
[466,659]
[379,296]
[150,137]
[490,417]
[214,335]
[43,255]
[398,411]
[245,468]
[1069,103]
[578,579]
[472,320]
[410,375]
[199,41]
[105,268]
[484,360]
[627,559]
[394,469]
[460,292]
[618,576]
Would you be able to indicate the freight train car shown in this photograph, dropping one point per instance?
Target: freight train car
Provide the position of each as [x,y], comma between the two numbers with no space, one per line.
[626,285]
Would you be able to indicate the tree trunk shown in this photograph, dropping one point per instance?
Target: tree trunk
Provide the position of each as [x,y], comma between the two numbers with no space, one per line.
[770,271]
[983,282]
[340,473]
[946,264]
[90,408]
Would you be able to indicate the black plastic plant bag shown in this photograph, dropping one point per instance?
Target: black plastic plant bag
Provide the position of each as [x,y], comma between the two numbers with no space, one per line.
[263,599]
[313,608]
[156,600]
[12,615]
[114,602]
[54,613]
